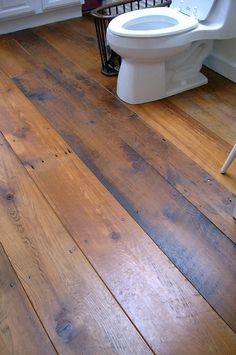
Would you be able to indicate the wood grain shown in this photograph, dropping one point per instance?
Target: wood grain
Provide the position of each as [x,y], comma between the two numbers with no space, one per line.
[191,137]
[20,330]
[138,274]
[184,234]
[76,309]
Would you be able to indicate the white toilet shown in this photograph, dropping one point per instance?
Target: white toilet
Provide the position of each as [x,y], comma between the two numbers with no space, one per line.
[162,49]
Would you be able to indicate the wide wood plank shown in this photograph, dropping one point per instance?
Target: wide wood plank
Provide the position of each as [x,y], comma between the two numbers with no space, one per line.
[183,233]
[127,260]
[212,105]
[181,172]
[20,329]
[161,116]
[76,309]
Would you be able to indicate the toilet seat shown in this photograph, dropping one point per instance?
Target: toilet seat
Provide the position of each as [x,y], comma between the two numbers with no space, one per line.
[152,22]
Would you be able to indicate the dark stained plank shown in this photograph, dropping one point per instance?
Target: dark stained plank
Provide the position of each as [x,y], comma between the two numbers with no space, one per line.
[165,308]
[78,312]
[181,231]
[20,329]
[200,188]
[82,32]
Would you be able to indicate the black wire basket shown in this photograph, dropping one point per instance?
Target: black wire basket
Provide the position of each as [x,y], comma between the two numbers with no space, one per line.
[103,15]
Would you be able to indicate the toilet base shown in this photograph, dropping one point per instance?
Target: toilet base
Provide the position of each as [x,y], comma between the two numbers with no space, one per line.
[187,84]
[139,83]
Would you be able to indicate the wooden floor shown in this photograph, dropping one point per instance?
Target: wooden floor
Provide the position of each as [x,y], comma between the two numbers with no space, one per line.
[115,224]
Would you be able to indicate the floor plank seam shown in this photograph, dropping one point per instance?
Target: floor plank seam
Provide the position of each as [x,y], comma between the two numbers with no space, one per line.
[26,294]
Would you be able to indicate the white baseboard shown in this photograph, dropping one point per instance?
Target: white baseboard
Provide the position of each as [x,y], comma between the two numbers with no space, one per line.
[222,66]
[21,23]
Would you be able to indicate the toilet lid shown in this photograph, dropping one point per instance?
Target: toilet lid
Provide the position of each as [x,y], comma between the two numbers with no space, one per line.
[152,22]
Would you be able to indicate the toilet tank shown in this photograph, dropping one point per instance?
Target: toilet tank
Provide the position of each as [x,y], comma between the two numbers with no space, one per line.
[223,16]
[199,8]
[218,15]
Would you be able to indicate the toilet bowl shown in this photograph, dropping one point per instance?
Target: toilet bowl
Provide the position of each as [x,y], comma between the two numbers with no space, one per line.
[162,49]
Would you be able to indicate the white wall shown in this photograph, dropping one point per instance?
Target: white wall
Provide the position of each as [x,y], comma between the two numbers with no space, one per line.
[223,58]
